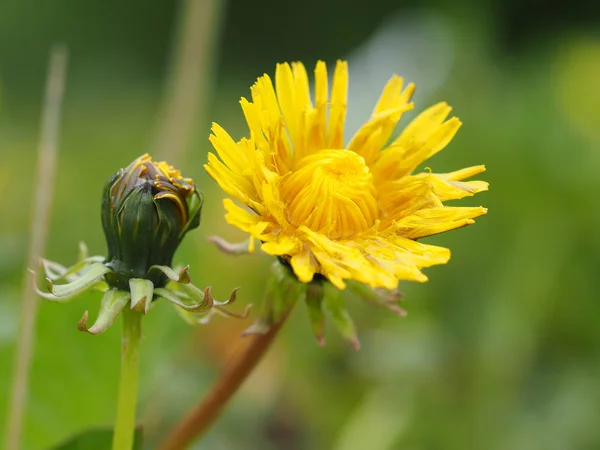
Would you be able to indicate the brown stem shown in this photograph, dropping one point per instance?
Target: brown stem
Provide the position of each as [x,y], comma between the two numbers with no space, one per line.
[198,420]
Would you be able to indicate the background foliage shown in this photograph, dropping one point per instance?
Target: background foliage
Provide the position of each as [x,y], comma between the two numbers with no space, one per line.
[500,348]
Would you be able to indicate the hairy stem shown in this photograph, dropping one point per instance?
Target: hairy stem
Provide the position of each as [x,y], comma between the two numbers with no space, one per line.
[128,384]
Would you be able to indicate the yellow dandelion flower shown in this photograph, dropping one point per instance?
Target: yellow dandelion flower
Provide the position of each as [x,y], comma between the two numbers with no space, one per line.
[345,211]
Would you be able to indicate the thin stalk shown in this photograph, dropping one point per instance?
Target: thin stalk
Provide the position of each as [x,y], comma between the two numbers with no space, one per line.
[46,168]
[199,419]
[128,383]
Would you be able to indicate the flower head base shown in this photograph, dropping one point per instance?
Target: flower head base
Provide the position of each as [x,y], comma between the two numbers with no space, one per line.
[147,209]
[344,211]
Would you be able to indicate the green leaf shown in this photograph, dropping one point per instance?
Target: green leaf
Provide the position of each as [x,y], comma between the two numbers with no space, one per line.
[97,440]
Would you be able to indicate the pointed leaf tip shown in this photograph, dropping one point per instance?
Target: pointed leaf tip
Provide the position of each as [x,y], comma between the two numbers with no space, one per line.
[82,324]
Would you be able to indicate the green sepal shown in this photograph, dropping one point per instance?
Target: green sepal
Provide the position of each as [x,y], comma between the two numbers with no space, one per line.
[195,202]
[111,306]
[182,277]
[58,272]
[179,300]
[90,276]
[283,291]
[83,252]
[314,306]
[136,230]
[333,305]
[198,307]
[193,319]
[142,292]
[197,295]
[53,270]
[382,298]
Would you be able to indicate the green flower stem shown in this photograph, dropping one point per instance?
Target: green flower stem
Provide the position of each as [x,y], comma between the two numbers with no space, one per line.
[199,419]
[128,384]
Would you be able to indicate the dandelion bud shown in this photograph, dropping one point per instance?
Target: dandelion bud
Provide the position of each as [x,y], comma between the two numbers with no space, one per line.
[147,208]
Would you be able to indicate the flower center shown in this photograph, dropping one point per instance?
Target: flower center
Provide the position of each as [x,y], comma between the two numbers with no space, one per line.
[331,192]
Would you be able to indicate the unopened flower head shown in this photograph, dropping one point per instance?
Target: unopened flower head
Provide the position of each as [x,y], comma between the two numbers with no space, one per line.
[147,208]
[344,210]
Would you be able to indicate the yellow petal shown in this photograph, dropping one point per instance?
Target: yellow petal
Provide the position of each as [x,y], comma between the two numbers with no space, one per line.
[446,189]
[245,221]
[462,174]
[286,94]
[263,94]
[402,198]
[428,222]
[389,96]
[423,124]
[301,86]
[319,122]
[236,186]
[282,244]
[304,265]
[337,108]
[373,135]
[275,207]
[410,150]
[233,156]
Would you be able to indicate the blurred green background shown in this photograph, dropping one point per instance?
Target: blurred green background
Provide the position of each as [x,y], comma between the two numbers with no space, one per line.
[500,349]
